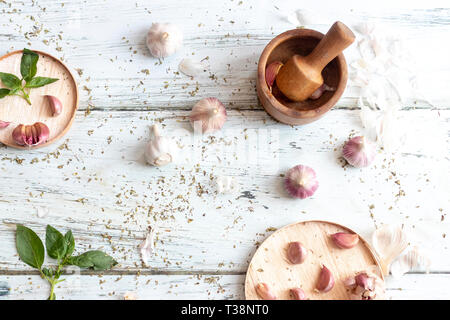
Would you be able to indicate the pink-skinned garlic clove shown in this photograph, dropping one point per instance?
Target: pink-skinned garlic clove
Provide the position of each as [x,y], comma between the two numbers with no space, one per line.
[296,252]
[271,73]
[55,105]
[326,280]
[265,292]
[345,240]
[31,135]
[321,90]
[365,286]
[298,294]
[301,182]
[359,152]
[208,115]
[4,124]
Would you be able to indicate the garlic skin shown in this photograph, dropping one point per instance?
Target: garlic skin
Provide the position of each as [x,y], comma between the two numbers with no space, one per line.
[190,67]
[301,182]
[31,135]
[159,150]
[359,152]
[4,124]
[55,105]
[389,242]
[226,185]
[271,73]
[164,39]
[147,246]
[407,262]
[208,115]
[365,285]
[130,295]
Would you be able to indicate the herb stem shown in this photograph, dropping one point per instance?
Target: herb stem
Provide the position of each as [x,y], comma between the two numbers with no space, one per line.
[26,96]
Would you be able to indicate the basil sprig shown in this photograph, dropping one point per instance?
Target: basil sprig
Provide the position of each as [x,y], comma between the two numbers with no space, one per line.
[60,247]
[16,86]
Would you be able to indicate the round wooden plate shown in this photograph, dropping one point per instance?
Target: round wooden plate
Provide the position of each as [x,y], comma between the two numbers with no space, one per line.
[270,265]
[16,110]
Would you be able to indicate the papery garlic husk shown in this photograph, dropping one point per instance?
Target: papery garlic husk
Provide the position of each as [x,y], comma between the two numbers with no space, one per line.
[389,242]
[4,124]
[365,285]
[326,280]
[55,105]
[298,294]
[410,260]
[301,182]
[226,184]
[164,39]
[31,135]
[359,152]
[190,67]
[130,295]
[265,292]
[160,150]
[147,246]
[271,73]
[208,115]
[321,90]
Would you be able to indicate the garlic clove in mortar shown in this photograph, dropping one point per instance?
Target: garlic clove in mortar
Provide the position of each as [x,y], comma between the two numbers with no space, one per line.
[271,73]
[301,182]
[298,294]
[359,152]
[326,280]
[208,115]
[4,124]
[345,240]
[55,105]
[265,292]
[164,39]
[296,252]
[160,150]
[320,91]
[31,135]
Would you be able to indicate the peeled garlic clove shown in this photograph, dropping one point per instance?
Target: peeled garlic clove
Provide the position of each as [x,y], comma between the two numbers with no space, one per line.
[298,294]
[271,73]
[4,124]
[326,280]
[55,105]
[296,252]
[159,150]
[265,292]
[359,152]
[208,115]
[301,182]
[345,240]
[319,92]
[31,135]
[164,39]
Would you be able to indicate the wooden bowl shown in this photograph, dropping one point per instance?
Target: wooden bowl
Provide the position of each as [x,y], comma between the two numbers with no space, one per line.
[16,110]
[270,265]
[281,48]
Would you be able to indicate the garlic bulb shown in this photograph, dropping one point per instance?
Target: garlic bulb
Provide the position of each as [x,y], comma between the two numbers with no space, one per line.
[164,39]
[407,262]
[389,242]
[301,182]
[208,115]
[31,135]
[359,152]
[147,246]
[365,285]
[226,184]
[160,150]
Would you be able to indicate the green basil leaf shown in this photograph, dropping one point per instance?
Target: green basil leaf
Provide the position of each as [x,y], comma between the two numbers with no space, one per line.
[4,92]
[70,243]
[39,82]
[29,247]
[96,260]
[10,80]
[55,243]
[28,65]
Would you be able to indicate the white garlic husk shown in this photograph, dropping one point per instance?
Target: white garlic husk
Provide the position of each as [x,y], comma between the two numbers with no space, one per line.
[412,259]
[191,67]
[227,185]
[160,150]
[164,39]
[147,247]
[208,115]
[359,152]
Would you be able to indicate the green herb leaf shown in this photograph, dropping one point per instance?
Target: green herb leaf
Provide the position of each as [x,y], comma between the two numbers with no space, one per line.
[39,82]
[28,65]
[10,80]
[4,92]
[55,243]
[96,260]
[70,243]
[30,247]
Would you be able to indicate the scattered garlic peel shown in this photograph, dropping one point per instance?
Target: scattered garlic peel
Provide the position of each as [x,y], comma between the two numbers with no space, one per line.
[365,285]
[147,246]
[227,184]
[130,295]
[41,212]
[389,242]
[412,259]
[4,124]
[191,67]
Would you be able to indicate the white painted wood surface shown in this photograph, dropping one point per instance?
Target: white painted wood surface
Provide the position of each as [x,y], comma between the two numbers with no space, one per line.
[95,181]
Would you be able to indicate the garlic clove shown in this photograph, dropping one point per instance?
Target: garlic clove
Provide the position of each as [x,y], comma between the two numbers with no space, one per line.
[271,73]
[359,152]
[208,115]
[31,135]
[298,294]
[55,105]
[320,91]
[147,246]
[160,150]
[301,182]
[4,124]
[326,280]
[164,39]
[296,252]
[265,292]
[190,67]
[345,240]
[365,285]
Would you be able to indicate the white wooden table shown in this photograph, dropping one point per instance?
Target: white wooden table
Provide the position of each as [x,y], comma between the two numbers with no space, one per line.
[95,181]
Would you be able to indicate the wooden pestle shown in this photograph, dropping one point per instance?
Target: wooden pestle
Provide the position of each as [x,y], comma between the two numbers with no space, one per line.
[301,76]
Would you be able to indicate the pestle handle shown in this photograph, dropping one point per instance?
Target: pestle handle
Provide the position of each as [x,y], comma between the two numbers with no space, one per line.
[332,44]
